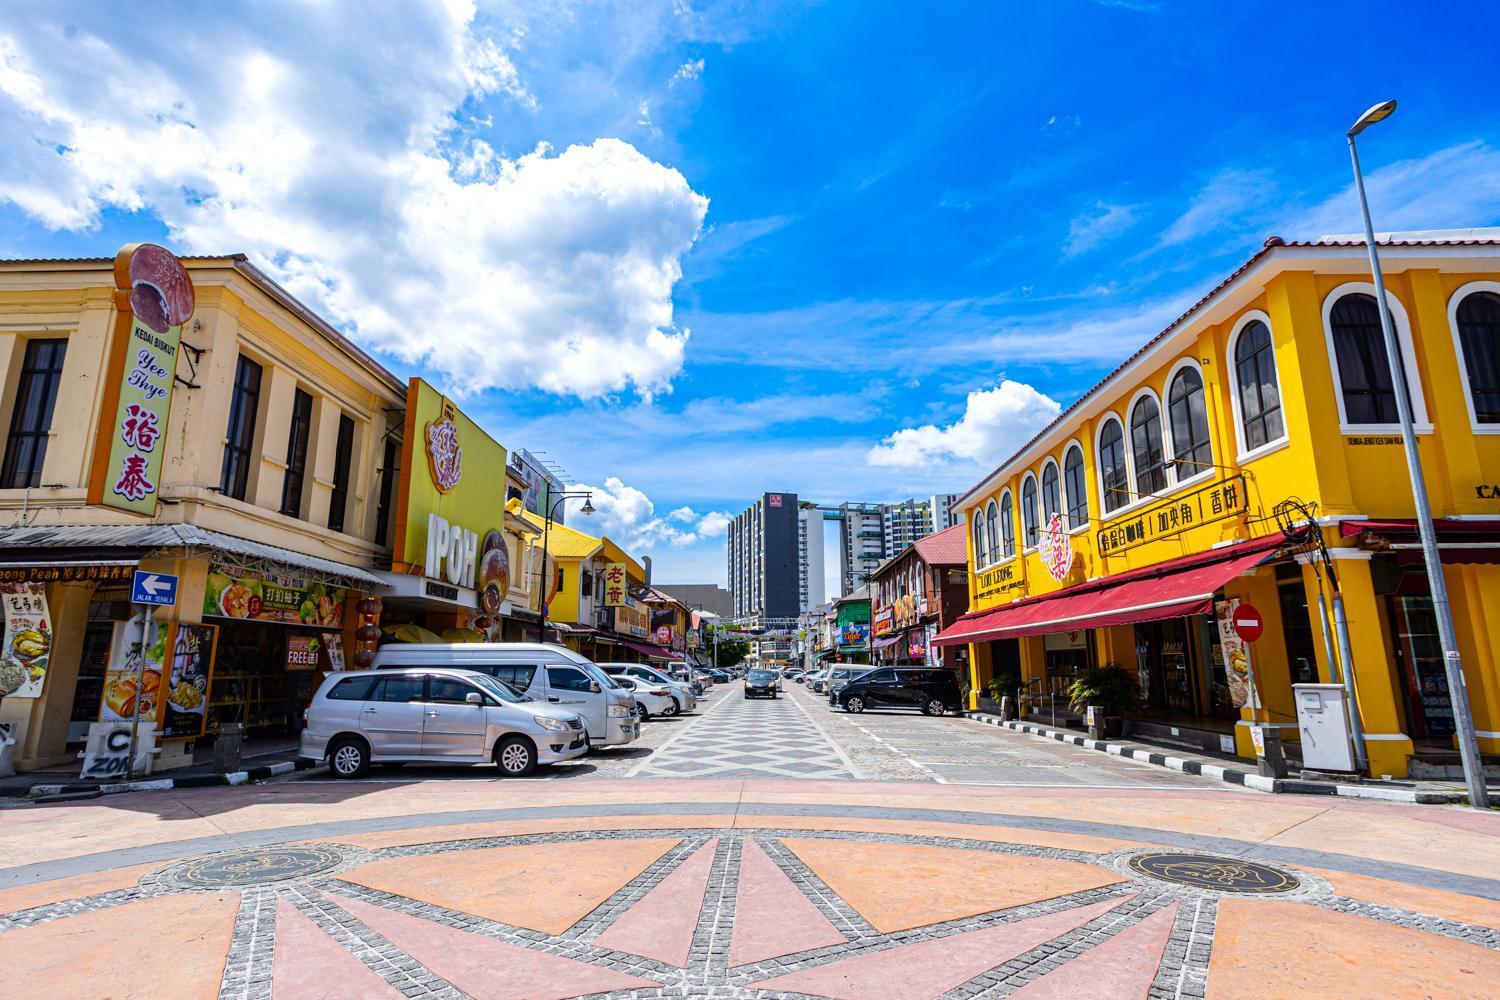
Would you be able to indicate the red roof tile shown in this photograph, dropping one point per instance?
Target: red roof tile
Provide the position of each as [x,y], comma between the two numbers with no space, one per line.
[948,547]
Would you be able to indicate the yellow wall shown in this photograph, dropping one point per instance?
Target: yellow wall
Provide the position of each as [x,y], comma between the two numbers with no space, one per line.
[1320,461]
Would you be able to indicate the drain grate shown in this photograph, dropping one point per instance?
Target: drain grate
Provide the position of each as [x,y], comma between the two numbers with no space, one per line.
[1204,871]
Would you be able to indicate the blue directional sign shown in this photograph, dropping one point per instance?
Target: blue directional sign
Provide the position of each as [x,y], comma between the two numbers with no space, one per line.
[153,588]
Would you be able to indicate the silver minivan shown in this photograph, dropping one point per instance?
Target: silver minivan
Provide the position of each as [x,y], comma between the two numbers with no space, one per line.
[435,716]
[544,672]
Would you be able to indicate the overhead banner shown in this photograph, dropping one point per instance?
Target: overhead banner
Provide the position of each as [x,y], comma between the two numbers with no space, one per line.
[153,298]
[233,593]
[28,640]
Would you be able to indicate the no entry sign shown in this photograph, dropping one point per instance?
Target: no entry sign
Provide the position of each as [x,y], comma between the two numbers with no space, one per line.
[1248,623]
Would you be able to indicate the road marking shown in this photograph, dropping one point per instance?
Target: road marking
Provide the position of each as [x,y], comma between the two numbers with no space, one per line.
[713,707]
[858,774]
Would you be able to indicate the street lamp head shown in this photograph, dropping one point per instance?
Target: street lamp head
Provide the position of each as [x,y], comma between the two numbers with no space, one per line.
[1378,113]
[588,506]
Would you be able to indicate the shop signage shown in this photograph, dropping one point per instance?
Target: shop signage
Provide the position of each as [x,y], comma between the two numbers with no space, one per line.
[615,594]
[885,620]
[441,591]
[664,628]
[132,679]
[153,298]
[66,573]
[1057,549]
[189,679]
[1487,491]
[1236,654]
[302,651]
[632,619]
[291,600]
[451,499]
[333,645]
[28,640]
[1204,505]
[106,754]
[452,552]
[916,645]
[854,634]
[1000,580]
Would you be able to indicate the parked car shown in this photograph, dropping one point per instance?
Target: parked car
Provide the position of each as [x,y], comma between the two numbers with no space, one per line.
[762,684]
[721,676]
[837,678]
[651,697]
[684,698]
[545,672]
[819,681]
[934,692]
[434,716]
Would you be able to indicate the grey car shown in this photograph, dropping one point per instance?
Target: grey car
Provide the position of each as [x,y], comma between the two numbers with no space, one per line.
[434,716]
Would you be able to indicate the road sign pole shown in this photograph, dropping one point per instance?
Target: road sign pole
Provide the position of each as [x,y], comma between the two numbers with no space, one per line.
[144,613]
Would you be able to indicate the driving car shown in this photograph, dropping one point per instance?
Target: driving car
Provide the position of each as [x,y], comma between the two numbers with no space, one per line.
[684,698]
[434,716]
[545,672]
[933,692]
[651,698]
[761,684]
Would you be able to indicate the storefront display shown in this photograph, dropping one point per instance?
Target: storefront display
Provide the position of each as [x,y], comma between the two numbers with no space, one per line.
[189,681]
[132,685]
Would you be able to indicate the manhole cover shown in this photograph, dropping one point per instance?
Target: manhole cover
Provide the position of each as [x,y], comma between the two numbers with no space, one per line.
[242,868]
[1203,871]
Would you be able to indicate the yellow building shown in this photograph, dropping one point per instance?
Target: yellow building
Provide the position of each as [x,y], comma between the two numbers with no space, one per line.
[1111,537]
[272,504]
[577,614]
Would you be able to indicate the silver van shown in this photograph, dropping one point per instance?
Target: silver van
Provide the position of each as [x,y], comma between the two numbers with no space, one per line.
[544,672]
[435,716]
[684,698]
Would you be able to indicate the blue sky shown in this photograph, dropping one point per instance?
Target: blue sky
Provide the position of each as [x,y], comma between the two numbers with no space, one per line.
[694,251]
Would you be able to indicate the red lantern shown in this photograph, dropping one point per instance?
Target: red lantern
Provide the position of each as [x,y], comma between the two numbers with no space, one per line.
[368,633]
[364,658]
[368,607]
[483,622]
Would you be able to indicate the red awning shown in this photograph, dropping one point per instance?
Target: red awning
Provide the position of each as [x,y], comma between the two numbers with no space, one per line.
[1172,589]
[1460,541]
[654,652]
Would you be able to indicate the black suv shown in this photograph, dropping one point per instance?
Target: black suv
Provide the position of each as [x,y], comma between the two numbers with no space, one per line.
[933,691]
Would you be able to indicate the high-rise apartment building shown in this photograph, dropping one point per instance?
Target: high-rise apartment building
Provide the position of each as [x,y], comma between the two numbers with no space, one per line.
[767,557]
[944,514]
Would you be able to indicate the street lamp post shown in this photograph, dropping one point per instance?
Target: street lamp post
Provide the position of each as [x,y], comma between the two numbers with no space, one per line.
[1468,744]
[561,498]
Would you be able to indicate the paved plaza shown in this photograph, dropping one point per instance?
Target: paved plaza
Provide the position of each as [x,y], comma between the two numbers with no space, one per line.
[752,884]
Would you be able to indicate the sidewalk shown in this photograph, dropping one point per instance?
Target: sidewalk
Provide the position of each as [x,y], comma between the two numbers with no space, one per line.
[1238,772]
[62,785]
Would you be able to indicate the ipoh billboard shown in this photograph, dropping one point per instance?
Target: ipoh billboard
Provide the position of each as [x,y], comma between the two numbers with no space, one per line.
[451,506]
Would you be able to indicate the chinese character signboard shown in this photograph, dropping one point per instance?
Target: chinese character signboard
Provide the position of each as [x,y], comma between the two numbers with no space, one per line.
[28,640]
[302,651]
[262,597]
[188,683]
[132,682]
[1213,502]
[1057,549]
[632,619]
[153,298]
[615,595]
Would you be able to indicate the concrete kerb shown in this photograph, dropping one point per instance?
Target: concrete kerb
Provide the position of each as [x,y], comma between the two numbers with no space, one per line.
[82,790]
[1230,775]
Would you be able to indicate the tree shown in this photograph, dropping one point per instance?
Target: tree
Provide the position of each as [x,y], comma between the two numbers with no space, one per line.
[728,651]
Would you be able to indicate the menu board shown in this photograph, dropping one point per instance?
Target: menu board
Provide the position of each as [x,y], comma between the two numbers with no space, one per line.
[270,598]
[28,640]
[135,670]
[188,683]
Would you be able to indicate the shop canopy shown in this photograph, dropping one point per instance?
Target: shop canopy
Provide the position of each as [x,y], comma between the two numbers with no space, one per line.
[649,650]
[1459,541]
[886,642]
[1171,589]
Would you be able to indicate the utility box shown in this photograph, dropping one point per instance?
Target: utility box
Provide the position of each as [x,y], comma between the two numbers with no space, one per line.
[1323,719]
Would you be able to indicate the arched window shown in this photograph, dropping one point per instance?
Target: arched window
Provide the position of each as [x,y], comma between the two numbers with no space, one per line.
[1146,448]
[1007,527]
[1051,492]
[1192,451]
[991,542]
[1479,334]
[1114,476]
[1255,378]
[981,557]
[1028,512]
[1078,495]
[1364,368]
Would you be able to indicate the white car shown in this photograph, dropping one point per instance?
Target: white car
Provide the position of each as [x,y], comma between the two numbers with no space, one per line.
[650,699]
[684,696]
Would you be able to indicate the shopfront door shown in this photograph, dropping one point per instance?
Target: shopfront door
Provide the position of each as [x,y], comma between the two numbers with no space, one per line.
[1165,663]
[1424,682]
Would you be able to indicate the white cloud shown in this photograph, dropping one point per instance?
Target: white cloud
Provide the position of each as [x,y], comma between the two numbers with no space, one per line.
[1093,229]
[995,423]
[627,515]
[687,71]
[352,179]
[1227,197]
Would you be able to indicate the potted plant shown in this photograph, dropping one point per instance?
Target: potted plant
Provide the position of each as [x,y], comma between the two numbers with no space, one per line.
[1111,688]
[1003,686]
